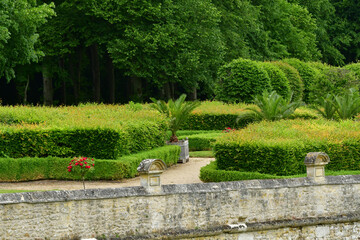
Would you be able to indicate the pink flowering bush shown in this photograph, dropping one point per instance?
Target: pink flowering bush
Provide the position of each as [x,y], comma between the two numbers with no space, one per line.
[81,166]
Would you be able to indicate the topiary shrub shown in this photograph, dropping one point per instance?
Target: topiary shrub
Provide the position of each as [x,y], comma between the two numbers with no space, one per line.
[240,80]
[278,80]
[308,74]
[333,80]
[294,79]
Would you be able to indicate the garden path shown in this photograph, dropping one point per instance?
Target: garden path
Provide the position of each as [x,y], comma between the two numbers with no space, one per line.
[178,174]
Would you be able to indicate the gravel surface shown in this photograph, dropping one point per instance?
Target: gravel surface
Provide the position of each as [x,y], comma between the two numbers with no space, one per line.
[178,174]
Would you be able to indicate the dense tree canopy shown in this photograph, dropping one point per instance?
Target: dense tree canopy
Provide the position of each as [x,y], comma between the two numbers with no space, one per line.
[120,50]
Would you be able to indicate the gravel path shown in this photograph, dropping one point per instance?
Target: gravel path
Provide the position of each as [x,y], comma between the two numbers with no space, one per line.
[178,174]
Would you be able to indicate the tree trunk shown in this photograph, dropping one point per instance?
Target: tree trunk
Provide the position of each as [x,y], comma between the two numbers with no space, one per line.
[63,83]
[95,69]
[47,84]
[193,94]
[75,65]
[111,80]
[26,89]
[136,88]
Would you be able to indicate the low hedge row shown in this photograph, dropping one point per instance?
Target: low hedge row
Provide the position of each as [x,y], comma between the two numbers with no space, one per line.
[279,148]
[201,141]
[216,121]
[26,169]
[210,173]
[103,143]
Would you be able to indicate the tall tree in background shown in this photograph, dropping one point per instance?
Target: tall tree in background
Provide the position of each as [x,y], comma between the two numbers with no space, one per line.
[19,21]
[290,28]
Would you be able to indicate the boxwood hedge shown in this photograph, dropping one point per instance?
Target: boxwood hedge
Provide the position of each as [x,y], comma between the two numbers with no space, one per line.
[35,168]
[279,148]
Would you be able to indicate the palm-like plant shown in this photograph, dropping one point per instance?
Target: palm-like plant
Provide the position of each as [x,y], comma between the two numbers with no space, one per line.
[348,104]
[271,107]
[326,106]
[177,112]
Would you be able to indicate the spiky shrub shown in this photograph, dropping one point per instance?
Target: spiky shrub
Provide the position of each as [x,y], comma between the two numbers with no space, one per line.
[177,112]
[325,107]
[240,80]
[347,105]
[270,106]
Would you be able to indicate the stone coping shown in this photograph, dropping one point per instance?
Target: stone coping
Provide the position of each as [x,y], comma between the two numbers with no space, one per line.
[110,193]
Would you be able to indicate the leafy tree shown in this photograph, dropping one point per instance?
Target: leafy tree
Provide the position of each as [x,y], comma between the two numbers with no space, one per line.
[19,22]
[290,28]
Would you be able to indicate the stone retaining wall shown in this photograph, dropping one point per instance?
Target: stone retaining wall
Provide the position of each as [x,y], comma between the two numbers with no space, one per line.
[271,209]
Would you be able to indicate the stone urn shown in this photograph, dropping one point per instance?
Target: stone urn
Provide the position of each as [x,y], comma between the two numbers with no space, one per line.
[184,154]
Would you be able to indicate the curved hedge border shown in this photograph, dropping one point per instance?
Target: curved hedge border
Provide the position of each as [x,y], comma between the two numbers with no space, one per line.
[26,169]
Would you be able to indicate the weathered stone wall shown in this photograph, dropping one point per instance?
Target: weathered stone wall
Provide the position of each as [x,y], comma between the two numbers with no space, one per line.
[266,209]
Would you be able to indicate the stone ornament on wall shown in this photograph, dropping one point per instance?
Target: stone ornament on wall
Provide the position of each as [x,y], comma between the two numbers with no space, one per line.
[315,165]
[150,171]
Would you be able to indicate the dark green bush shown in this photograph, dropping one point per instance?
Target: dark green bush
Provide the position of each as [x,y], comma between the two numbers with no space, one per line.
[308,75]
[240,80]
[278,80]
[295,81]
[333,80]
[208,121]
[26,169]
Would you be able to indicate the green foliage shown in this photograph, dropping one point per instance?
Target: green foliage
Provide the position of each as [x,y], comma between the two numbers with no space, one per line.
[308,75]
[290,30]
[355,68]
[19,20]
[295,81]
[333,80]
[202,141]
[201,154]
[348,105]
[208,121]
[240,80]
[210,173]
[279,148]
[177,112]
[271,107]
[26,169]
[279,82]
[325,106]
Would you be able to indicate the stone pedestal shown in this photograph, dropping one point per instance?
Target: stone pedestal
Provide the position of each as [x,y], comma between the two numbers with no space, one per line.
[315,165]
[150,171]
[184,154]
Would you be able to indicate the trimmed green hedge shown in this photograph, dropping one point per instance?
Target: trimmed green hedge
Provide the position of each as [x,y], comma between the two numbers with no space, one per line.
[97,142]
[208,121]
[279,148]
[202,141]
[240,80]
[210,173]
[278,80]
[26,169]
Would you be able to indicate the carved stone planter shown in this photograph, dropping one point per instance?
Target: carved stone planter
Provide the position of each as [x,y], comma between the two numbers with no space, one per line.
[184,154]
